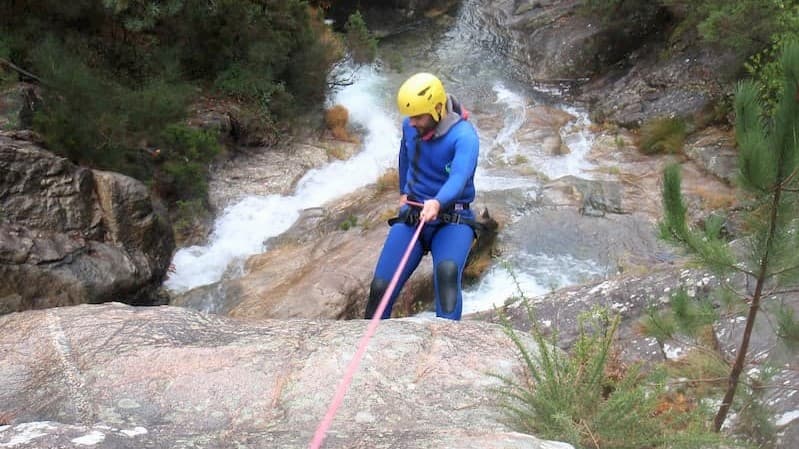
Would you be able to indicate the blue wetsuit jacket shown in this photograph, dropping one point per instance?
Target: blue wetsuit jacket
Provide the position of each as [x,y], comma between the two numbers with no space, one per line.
[442,164]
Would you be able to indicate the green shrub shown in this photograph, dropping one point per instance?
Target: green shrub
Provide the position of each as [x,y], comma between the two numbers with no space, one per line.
[79,118]
[188,220]
[580,399]
[272,54]
[7,76]
[349,223]
[742,25]
[766,68]
[662,135]
[363,47]
[186,154]
[91,119]
[787,326]
[244,84]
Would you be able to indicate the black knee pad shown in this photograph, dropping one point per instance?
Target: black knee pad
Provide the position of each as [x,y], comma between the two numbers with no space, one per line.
[376,292]
[447,279]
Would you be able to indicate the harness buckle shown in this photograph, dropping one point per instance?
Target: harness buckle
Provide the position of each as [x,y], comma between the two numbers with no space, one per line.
[450,218]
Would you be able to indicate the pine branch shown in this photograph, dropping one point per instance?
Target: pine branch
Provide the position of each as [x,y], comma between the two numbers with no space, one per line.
[777,292]
[20,70]
[683,381]
[779,387]
[788,180]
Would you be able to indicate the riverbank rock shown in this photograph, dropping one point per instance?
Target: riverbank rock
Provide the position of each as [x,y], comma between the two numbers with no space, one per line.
[116,376]
[688,84]
[555,40]
[70,235]
[624,69]
[271,170]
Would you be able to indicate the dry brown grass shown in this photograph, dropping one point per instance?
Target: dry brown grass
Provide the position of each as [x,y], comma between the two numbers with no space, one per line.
[714,199]
[387,215]
[6,418]
[674,403]
[336,119]
[337,153]
[389,181]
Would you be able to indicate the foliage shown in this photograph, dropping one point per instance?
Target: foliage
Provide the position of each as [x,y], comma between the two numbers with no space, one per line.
[754,420]
[686,316]
[663,135]
[708,243]
[388,181]
[363,47]
[186,153]
[768,161]
[788,327]
[742,25]
[754,29]
[118,75]
[757,29]
[6,74]
[91,119]
[188,219]
[350,222]
[578,397]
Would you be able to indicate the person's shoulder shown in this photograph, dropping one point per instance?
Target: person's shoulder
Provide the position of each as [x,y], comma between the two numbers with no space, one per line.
[465,128]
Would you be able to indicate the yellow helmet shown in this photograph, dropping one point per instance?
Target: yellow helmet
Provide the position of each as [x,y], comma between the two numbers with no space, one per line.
[420,94]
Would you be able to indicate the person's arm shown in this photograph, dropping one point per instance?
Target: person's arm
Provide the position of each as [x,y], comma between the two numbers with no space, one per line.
[402,164]
[462,168]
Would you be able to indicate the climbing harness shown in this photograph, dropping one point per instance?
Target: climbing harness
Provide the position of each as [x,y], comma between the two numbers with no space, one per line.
[338,398]
[410,216]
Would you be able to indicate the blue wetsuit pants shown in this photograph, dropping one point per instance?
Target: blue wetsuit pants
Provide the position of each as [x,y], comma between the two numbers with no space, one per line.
[449,244]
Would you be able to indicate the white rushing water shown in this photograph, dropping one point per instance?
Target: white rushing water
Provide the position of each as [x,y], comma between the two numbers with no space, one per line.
[522,274]
[242,228]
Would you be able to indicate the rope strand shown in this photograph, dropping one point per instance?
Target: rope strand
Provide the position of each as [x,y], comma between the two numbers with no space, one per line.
[341,391]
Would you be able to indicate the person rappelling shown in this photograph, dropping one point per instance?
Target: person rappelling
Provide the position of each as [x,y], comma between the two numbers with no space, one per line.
[437,160]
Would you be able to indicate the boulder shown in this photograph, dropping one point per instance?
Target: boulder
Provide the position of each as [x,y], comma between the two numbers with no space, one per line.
[70,235]
[554,41]
[687,84]
[116,376]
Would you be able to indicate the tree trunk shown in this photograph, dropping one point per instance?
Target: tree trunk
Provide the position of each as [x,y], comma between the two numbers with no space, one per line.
[740,358]
[738,367]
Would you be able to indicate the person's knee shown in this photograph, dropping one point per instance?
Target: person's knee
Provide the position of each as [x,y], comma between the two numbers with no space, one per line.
[376,291]
[448,286]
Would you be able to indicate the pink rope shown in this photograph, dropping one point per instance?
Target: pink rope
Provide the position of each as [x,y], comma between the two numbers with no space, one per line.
[338,398]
